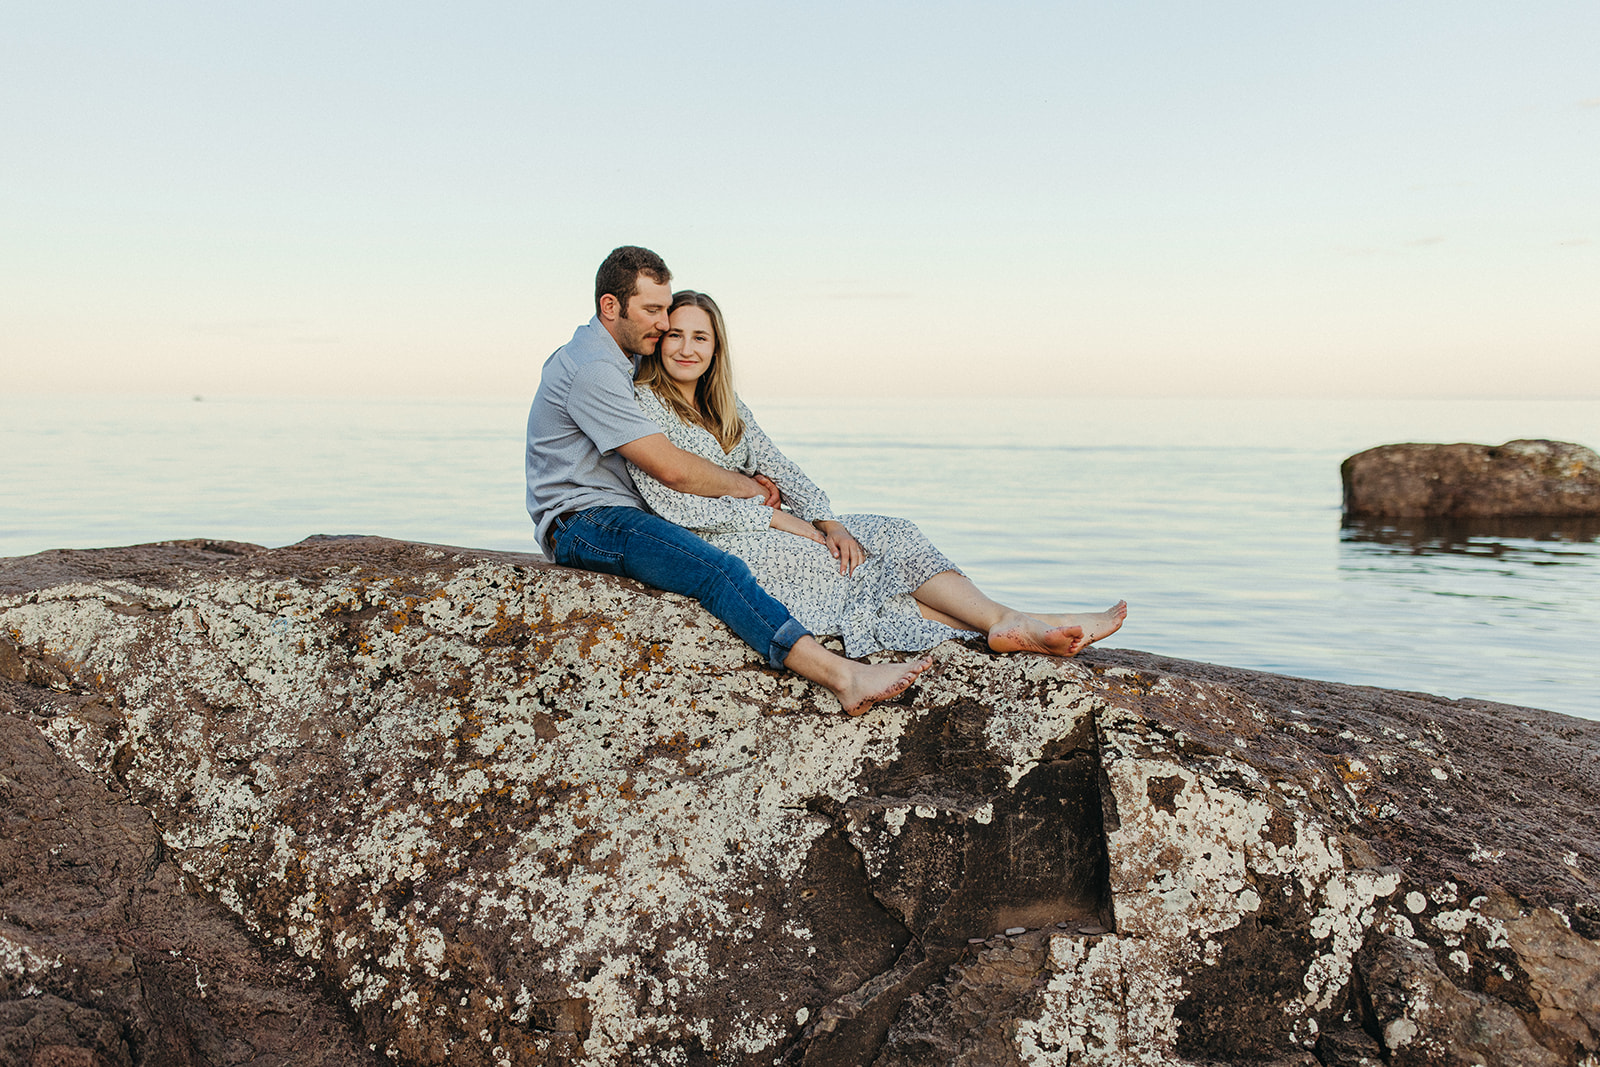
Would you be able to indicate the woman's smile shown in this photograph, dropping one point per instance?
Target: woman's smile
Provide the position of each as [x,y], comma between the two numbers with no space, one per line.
[687,348]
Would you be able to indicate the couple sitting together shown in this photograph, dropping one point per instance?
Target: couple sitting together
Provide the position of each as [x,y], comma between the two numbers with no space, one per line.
[642,461]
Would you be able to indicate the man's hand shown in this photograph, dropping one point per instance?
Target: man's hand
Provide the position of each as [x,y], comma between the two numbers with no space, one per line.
[846,549]
[782,520]
[774,498]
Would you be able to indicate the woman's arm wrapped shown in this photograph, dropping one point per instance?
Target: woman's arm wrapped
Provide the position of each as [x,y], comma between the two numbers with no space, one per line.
[703,514]
[801,495]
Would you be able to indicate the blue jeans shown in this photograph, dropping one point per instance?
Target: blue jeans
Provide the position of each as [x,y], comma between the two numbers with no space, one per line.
[636,544]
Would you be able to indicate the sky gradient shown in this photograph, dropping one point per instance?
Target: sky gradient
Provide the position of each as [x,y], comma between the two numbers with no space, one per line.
[1365,199]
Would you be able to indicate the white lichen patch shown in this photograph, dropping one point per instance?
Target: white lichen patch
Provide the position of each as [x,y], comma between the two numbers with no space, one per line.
[1347,911]
[1109,1003]
[1398,1033]
[1458,921]
[20,961]
[1044,700]
[1196,842]
[78,740]
[1390,921]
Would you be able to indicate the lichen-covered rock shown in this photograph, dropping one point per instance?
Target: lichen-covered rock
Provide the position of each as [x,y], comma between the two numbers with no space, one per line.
[492,811]
[1465,481]
[107,957]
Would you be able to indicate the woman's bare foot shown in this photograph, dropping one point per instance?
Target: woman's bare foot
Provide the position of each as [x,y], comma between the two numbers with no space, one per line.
[867,683]
[1017,632]
[1095,624]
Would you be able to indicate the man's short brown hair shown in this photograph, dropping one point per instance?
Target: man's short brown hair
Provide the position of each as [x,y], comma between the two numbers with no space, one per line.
[619,274]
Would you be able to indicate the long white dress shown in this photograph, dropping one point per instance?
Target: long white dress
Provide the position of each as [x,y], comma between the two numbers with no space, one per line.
[871,609]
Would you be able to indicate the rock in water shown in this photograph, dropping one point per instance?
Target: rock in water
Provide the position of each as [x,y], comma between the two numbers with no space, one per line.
[1461,481]
[466,807]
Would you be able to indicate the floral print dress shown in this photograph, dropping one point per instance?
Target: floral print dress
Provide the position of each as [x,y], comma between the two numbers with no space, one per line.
[870,610]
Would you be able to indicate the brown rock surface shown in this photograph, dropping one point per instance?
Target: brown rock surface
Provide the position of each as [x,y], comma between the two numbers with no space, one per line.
[1465,481]
[107,954]
[469,808]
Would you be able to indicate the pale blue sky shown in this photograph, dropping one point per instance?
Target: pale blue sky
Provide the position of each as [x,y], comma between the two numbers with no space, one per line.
[1174,198]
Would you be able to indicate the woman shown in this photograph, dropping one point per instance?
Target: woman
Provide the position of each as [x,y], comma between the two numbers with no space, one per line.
[875,581]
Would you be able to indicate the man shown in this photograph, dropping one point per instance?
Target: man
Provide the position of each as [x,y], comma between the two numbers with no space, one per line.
[584,423]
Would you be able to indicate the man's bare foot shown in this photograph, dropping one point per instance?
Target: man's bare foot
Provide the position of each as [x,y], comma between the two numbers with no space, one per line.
[867,683]
[1017,632]
[1095,624]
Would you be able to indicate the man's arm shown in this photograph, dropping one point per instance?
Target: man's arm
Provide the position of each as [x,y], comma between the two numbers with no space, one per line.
[688,473]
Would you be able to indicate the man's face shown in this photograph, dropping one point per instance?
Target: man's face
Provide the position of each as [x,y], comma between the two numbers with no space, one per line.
[646,318]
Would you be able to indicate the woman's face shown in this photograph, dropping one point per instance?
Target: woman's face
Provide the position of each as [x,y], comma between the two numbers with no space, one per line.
[687,346]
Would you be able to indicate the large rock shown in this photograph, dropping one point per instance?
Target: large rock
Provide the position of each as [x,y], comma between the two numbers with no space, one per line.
[469,808]
[1462,481]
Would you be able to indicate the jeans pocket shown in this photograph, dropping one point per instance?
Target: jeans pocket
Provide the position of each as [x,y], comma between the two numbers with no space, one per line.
[589,557]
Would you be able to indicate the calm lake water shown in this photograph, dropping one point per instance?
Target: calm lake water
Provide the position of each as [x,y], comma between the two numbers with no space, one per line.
[1218,521]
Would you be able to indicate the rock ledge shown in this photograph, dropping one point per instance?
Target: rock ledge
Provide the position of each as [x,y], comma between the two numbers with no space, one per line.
[369,801]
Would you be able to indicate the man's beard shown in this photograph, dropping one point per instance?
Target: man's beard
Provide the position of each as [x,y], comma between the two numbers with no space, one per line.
[641,343]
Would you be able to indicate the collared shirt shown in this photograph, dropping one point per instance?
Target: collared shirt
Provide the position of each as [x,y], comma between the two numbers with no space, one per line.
[583,412]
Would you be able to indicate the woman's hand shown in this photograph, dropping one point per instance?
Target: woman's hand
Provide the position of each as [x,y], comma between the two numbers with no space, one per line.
[846,549]
[783,520]
[774,498]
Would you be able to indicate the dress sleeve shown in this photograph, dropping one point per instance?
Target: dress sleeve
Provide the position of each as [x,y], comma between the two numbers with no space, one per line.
[800,493]
[702,514]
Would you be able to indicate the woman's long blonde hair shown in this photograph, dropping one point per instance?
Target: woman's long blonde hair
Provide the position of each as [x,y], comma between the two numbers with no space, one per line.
[715,406]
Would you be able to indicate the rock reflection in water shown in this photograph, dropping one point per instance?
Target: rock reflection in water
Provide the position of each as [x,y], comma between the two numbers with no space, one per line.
[1504,609]
[1528,539]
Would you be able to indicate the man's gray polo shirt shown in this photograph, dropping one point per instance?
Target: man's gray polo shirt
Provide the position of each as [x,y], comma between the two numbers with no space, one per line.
[583,412]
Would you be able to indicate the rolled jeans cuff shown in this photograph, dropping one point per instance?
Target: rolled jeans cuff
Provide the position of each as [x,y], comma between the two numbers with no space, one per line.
[783,642]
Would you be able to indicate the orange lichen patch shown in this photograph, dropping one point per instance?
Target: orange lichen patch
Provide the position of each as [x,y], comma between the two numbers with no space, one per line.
[590,638]
[402,615]
[354,602]
[508,630]
[647,654]
[678,746]
[1354,771]
[1124,681]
